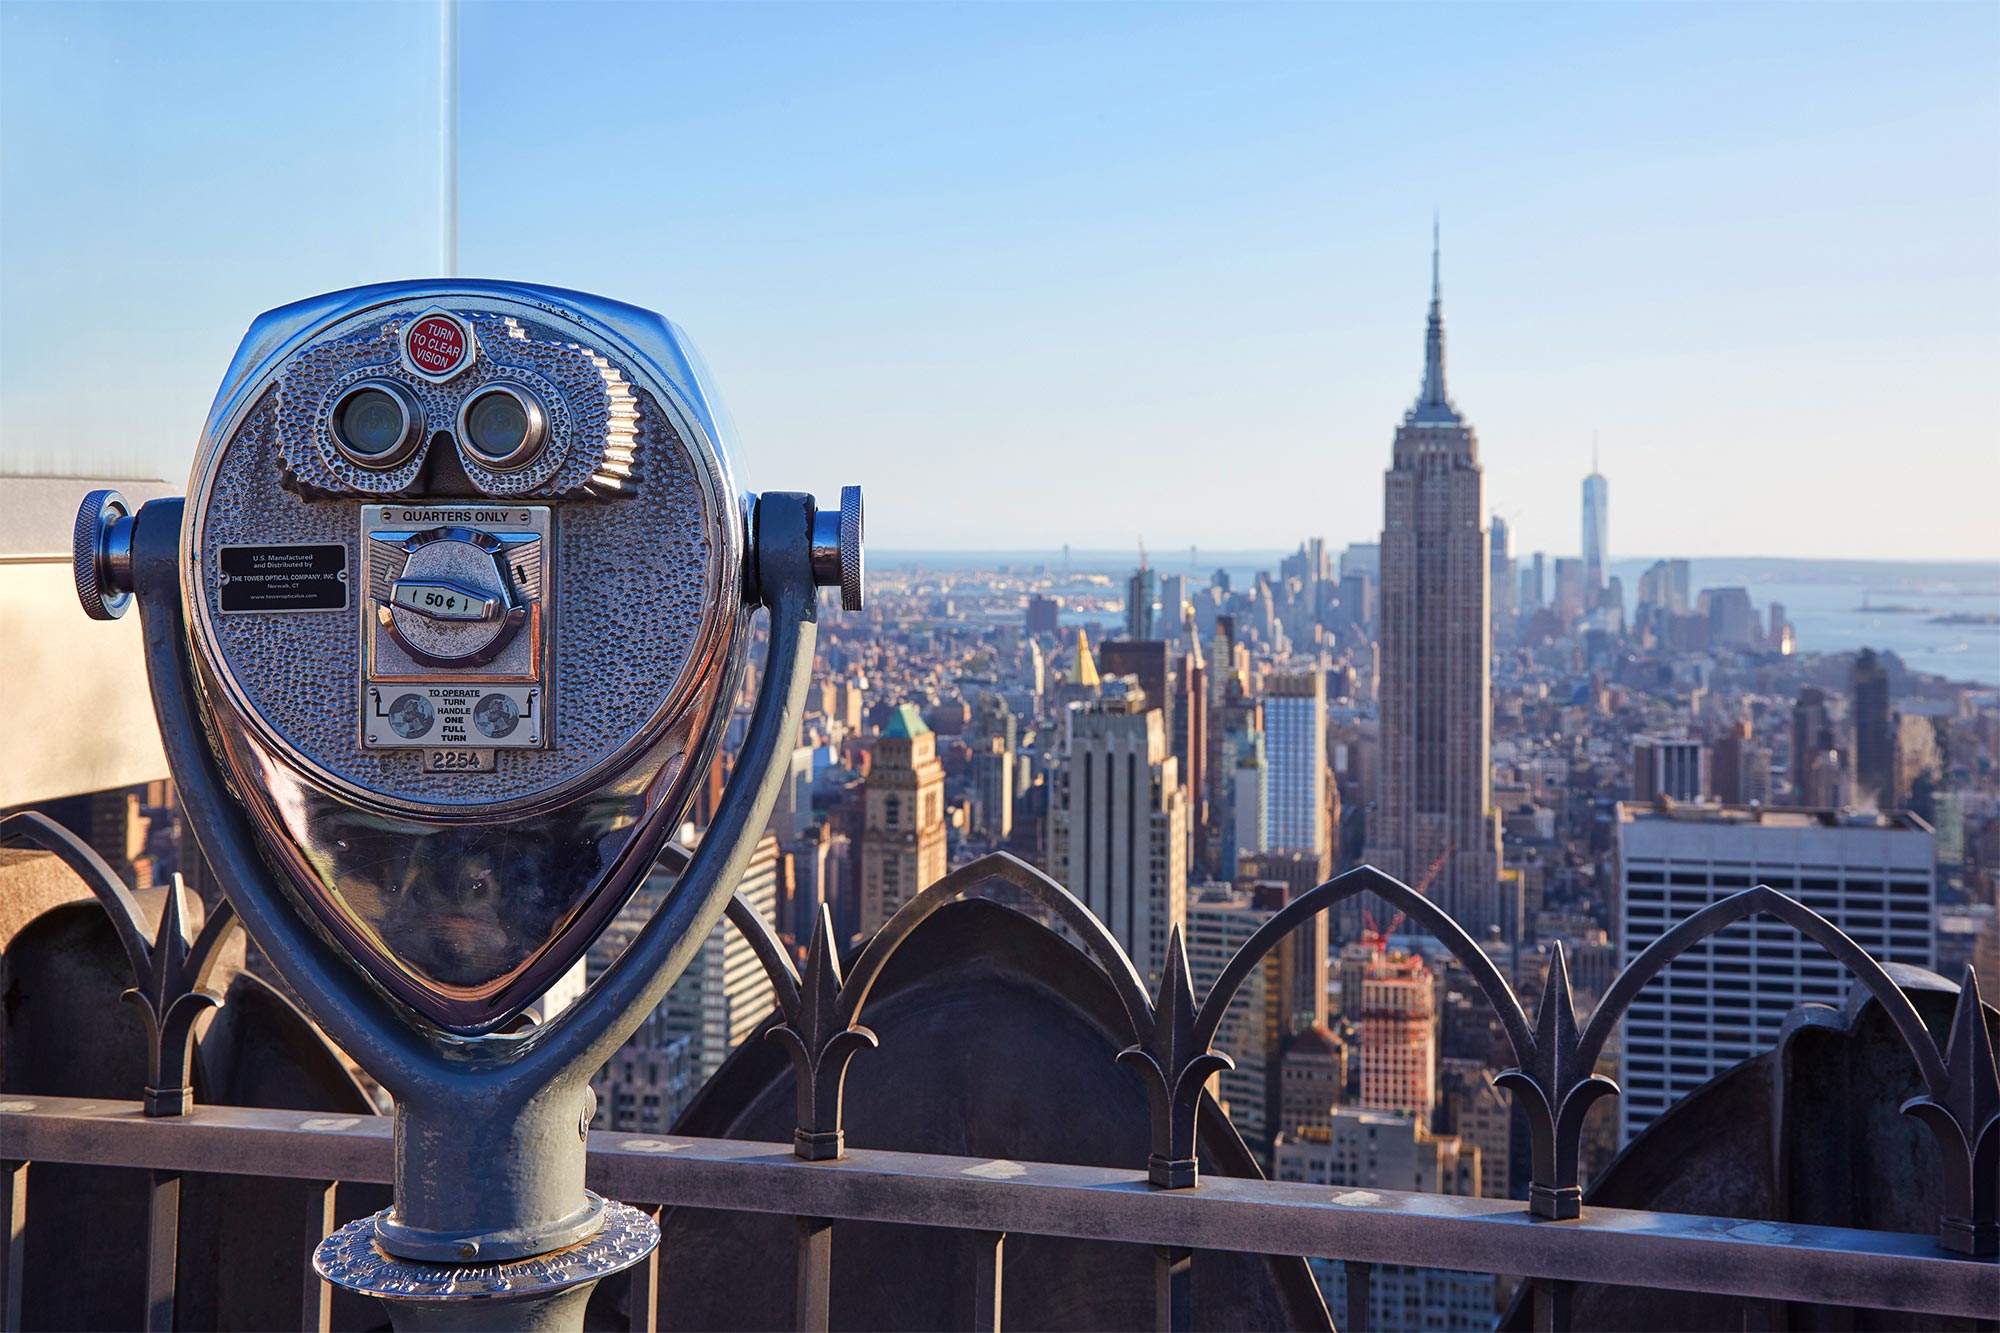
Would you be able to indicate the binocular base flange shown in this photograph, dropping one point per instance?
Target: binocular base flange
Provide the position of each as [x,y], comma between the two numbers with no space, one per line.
[544,1291]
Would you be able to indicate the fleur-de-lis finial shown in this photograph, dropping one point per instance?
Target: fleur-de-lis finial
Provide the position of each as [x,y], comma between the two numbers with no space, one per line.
[1965,1121]
[173,995]
[1174,1072]
[1556,1089]
[820,1043]
[172,975]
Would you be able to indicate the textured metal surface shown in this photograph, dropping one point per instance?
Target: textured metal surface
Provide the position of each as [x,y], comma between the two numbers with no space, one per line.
[101,595]
[506,867]
[634,588]
[351,1258]
[1825,1265]
[592,425]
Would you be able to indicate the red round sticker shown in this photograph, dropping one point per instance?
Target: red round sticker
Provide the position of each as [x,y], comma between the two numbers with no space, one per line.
[436,345]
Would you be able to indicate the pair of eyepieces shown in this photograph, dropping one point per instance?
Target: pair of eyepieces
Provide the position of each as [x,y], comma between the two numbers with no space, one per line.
[377,424]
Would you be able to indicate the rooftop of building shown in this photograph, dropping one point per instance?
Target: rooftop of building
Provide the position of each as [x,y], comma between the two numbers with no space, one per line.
[1665,809]
[906,723]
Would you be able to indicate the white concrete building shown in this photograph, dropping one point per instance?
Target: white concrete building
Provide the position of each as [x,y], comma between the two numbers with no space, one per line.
[1723,1001]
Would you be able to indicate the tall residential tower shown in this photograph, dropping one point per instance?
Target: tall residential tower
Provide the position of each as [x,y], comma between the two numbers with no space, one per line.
[1435,796]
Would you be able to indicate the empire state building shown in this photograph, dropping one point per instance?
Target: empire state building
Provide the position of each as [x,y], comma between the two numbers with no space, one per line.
[1434,807]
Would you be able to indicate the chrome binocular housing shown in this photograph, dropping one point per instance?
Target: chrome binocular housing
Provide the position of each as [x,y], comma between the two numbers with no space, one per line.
[467,579]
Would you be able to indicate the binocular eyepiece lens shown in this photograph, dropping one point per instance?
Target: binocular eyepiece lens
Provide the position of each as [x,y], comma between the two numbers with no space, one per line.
[503,426]
[374,426]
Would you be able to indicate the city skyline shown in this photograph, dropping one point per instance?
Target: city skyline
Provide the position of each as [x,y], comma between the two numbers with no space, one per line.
[1740,247]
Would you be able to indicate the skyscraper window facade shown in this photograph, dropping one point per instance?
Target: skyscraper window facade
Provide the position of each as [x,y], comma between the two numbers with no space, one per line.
[1435,801]
[1724,1000]
[1295,749]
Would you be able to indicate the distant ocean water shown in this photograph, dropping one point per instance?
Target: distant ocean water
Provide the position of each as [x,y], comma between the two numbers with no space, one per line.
[1824,599]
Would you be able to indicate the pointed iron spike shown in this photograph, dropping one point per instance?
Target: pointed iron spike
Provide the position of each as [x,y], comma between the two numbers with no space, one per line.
[819,987]
[1968,1052]
[1175,1013]
[173,912]
[1555,1016]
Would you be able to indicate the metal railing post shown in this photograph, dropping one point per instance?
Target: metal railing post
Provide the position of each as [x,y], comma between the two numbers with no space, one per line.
[642,1297]
[1552,1304]
[163,1236]
[1355,1315]
[815,1275]
[13,1272]
[989,1257]
[320,1218]
[1173,1288]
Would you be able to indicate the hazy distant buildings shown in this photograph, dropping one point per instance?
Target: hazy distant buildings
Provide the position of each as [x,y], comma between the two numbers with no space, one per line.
[1505,587]
[1874,740]
[1732,620]
[1118,822]
[1042,614]
[903,838]
[1818,770]
[1436,711]
[1596,530]
[1723,1002]
[1664,586]
[1140,591]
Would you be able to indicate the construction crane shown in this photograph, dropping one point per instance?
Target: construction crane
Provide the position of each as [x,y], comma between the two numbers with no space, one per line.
[1380,938]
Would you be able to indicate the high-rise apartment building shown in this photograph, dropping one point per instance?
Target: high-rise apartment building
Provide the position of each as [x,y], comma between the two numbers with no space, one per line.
[993,787]
[1596,529]
[1724,1000]
[1118,822]
[1816,759]
[725,992]
[1188,738]
[1874,735]
[1434,682]
[1219,922]
[1250,811]
[902,837]
[1535,583]
[1150,661]
[1399,1036]
[1295,748]
[1312,1080]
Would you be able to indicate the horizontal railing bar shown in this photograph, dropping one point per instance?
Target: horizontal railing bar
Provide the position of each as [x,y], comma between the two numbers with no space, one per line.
[1726,1256]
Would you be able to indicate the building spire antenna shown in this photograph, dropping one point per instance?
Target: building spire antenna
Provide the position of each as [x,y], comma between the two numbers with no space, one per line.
[1433,403]
[1593,453]
[1436,288]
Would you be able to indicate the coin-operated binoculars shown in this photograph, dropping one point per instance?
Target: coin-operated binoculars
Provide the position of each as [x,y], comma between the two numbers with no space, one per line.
[441,640]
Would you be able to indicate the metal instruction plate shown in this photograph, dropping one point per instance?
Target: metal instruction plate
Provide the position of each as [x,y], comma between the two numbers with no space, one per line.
[446,714]
[271,579]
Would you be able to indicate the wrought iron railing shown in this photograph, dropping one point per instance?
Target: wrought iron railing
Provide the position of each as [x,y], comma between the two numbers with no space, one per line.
[1553,1240]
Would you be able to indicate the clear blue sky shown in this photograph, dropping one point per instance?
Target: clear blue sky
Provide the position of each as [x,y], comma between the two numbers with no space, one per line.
[1038,273]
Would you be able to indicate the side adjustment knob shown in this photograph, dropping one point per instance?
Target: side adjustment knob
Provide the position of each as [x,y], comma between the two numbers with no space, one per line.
[837,548]
[101,555]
